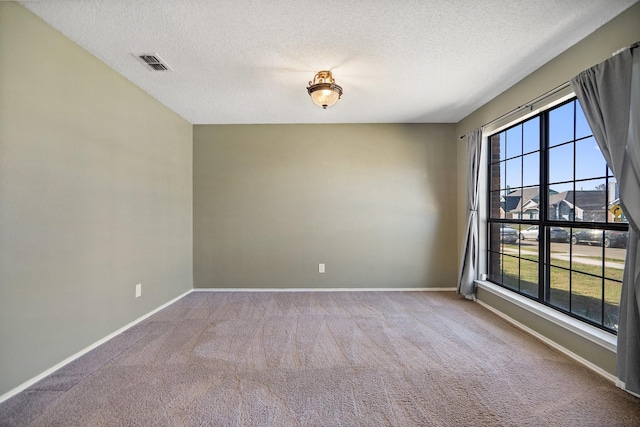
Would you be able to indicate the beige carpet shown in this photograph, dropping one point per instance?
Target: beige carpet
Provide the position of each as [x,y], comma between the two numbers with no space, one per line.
[323,359]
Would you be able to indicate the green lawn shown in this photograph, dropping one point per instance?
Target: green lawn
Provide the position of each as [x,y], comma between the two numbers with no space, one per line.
[585,293]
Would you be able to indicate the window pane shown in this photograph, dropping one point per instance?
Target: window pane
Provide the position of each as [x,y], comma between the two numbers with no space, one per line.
[508,239]
[585,236]
[615,239]
[589,160]
[612,291]
[532,135]
[587,258]
[497,147]
[514,173]
[559,287]
[495,269]
[512,203]
[495,237]
[510,272]
[560,188]
[531,169]
[614,256]
[529,278]
[522,203]
[582,127]
[560,250]
[586,296]
[591,201]
[560,255]
[497,176]
[561,163]
[529,250]
[558,234]
[495,205]
[561,203]
[615,214]
[529,234]
[530,203]
[514,141]
[561,124]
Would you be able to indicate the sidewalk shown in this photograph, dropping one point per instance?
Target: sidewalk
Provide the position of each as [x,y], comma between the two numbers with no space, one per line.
[576,258]
[589,261]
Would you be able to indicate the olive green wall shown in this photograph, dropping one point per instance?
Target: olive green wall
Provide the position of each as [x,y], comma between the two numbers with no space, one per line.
[375,203]
[620,32]
[95,197]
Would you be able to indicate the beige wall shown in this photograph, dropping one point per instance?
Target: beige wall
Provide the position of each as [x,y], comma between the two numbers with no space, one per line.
[621,31]
[95,197]
[375,203]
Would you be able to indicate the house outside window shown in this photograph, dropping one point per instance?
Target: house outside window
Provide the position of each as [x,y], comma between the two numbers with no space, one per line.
[549,182]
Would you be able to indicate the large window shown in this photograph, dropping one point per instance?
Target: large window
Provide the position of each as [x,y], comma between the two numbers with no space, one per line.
[556,230]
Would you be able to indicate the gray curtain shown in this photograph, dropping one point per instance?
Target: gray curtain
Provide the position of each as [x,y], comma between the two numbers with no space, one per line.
[470,248]
[610,97]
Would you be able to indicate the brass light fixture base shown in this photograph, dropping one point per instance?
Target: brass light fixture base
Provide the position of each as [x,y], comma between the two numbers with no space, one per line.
[323,89]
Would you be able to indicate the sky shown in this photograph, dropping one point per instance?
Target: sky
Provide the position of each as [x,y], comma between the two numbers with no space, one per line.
[525,138]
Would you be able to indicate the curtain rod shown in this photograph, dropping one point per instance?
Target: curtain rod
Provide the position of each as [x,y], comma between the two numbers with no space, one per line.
[528,104]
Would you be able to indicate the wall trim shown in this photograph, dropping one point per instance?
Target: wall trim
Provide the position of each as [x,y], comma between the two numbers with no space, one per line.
[324,289]
[586,331]
[552,343]
[82,352]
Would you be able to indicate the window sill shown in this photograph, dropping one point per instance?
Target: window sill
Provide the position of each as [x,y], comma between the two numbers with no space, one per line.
[591,333]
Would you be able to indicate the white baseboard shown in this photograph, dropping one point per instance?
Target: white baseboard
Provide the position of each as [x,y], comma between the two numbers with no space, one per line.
[324,289]
[552,343]
[82,352]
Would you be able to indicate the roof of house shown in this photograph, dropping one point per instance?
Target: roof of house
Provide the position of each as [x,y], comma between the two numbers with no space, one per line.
[585,199]
[515,199]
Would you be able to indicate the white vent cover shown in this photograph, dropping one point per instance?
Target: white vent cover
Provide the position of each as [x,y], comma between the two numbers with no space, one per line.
[152,61]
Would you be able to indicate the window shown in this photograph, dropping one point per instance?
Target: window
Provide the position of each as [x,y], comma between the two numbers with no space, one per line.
[556,232]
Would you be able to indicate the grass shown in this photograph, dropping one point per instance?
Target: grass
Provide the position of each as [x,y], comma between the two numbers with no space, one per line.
[609,273]
[573,291]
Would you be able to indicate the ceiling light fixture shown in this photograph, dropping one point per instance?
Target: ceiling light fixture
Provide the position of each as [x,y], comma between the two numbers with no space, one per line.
[323,89]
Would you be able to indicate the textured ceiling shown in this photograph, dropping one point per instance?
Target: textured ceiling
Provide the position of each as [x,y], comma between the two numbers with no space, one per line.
[245,61]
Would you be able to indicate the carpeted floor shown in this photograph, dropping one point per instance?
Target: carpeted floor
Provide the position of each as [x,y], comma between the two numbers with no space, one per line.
[323,359]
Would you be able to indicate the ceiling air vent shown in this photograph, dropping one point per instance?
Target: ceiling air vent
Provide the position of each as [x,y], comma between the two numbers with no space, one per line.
[153,61]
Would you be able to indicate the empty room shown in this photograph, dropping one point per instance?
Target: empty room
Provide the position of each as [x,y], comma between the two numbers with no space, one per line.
[292,213]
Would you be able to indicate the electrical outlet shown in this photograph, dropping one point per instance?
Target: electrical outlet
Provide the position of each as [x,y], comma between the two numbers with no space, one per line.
[138,290]
[320,268]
